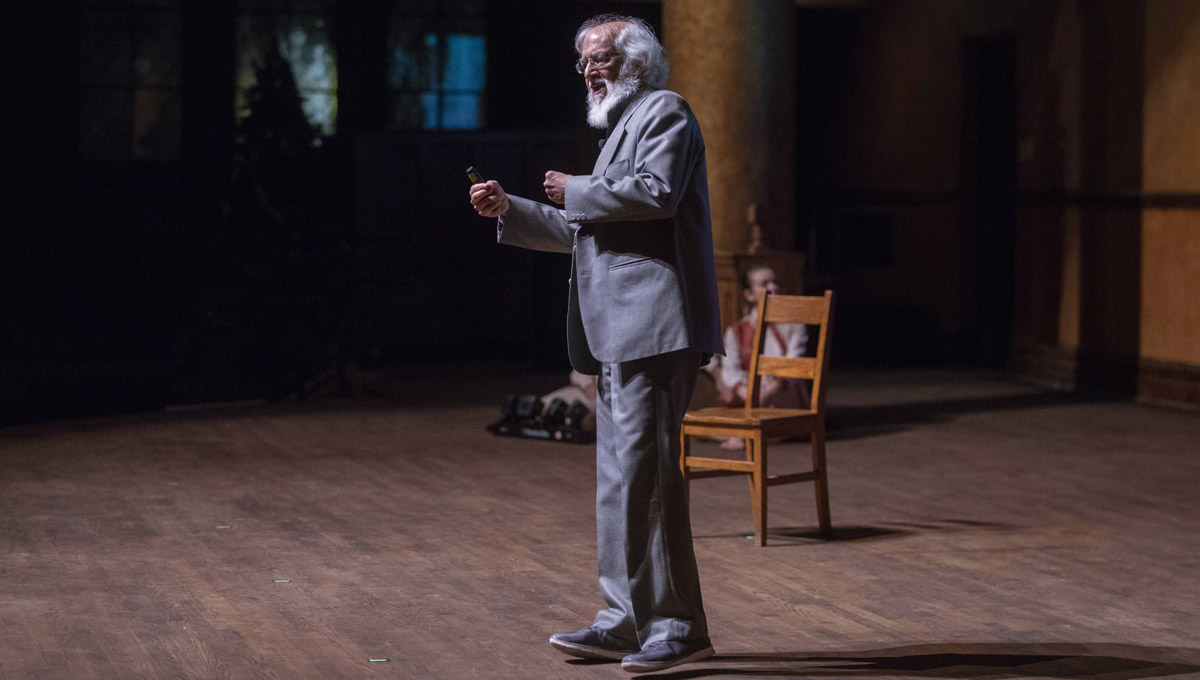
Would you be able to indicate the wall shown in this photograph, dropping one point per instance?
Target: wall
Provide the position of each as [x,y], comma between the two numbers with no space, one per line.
[885,190]
[1110,193]
[1170,310]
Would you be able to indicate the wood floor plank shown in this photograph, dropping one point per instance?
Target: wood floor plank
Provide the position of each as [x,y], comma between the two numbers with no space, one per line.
[982,529]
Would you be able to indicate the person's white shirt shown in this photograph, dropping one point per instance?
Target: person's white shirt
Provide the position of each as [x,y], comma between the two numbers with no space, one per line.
[783,340]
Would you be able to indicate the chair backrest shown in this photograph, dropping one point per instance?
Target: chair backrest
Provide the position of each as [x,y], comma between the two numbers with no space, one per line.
[810,310]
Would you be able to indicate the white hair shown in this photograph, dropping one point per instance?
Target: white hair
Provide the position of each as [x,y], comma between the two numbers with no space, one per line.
[643,54]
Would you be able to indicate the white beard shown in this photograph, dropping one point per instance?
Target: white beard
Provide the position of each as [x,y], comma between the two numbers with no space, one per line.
[615,93]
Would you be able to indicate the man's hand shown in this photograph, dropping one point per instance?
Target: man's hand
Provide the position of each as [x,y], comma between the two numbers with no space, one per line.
[489,199]
[556,186]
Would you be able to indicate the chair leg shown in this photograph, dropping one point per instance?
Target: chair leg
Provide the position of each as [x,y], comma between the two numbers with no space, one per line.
[684,452]
[821,483]
[750,482]
[759,488]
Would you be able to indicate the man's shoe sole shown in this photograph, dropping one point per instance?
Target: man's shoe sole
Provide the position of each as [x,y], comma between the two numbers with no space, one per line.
[586,652]
[650,668]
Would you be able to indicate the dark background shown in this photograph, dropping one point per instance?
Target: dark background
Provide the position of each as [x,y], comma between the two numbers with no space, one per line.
[125,286]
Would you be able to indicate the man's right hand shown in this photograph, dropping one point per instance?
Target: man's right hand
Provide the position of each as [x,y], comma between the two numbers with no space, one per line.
[489,199]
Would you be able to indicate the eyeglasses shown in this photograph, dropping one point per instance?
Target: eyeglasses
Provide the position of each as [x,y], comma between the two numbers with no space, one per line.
[599,60]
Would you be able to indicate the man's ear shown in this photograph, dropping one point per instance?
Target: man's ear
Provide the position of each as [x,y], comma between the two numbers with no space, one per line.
[640,67]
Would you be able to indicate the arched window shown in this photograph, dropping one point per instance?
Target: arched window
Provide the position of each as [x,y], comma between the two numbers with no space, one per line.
[303,31]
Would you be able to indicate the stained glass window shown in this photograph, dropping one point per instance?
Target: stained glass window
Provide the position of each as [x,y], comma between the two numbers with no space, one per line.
[130,78]
[436,64]
[302,31]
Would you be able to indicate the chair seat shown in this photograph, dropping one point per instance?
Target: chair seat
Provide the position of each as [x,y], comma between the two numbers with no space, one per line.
[758,417]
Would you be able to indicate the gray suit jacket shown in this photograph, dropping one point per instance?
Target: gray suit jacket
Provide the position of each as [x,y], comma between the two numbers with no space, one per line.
[642,275]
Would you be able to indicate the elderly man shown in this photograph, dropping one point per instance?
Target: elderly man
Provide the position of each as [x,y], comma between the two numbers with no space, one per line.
[642,314]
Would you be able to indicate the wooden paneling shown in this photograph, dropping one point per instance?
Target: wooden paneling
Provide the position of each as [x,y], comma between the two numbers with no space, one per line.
[1167,383]
[1170,316]
[1044,364]
[1172,102]
[1127,266]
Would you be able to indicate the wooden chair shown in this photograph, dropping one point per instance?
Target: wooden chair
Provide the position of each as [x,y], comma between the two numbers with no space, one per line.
[756,425]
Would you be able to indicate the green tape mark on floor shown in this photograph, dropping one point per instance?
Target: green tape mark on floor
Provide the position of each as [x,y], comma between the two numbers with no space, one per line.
[224,526]
[283,580]
[375,660]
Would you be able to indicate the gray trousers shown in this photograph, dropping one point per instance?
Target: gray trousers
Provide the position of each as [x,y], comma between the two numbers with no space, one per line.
[644,535]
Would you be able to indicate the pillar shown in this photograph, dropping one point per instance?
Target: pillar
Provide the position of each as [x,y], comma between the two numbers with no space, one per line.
[734,62]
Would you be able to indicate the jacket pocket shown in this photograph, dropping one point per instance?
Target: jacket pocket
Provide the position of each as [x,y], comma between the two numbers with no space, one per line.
[618,169]
[630,263]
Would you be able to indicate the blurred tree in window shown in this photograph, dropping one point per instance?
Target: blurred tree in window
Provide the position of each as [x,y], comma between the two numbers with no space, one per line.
[301,31]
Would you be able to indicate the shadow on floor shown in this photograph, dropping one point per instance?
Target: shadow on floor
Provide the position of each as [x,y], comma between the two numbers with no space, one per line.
[960,660]
[798,535]
[851,422]
[847,534]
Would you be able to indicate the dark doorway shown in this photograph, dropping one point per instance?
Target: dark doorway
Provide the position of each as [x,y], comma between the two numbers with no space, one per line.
[990,191]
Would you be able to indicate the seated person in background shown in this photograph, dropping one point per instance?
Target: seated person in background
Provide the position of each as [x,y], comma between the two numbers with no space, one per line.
[783,339]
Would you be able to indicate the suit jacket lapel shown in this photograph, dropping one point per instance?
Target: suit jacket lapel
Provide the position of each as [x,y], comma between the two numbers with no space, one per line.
[618,132]
[610,148]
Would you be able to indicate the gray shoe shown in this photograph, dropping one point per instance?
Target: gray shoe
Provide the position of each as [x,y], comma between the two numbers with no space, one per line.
[667,654]
[592,643]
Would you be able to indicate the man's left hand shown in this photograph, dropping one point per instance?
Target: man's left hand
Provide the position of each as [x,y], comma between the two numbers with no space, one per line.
[556,186]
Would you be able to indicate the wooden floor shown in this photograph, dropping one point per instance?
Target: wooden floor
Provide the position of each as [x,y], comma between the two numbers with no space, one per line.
[984,529]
